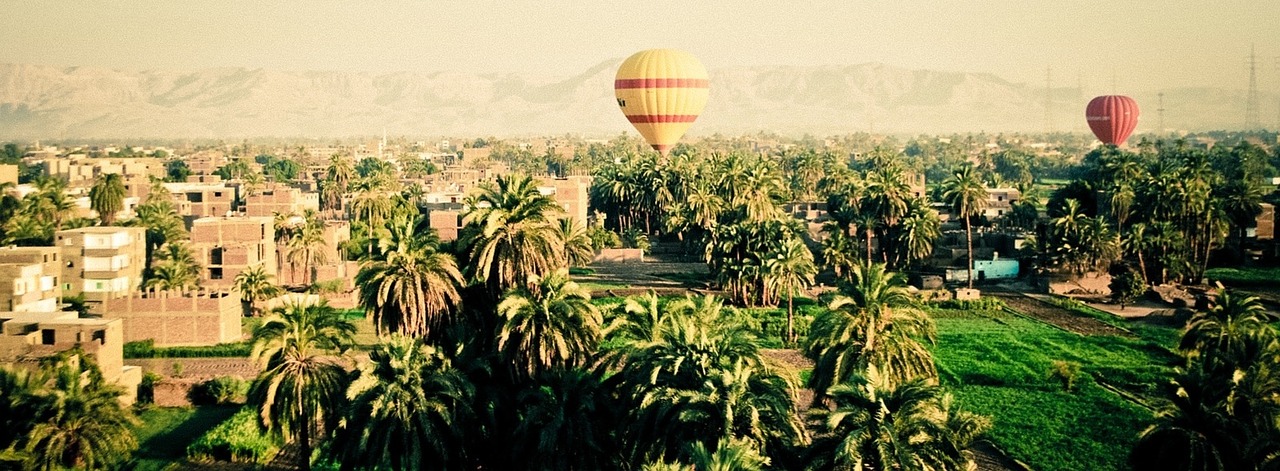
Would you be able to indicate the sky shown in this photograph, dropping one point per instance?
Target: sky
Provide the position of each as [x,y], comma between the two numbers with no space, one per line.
[1108,46]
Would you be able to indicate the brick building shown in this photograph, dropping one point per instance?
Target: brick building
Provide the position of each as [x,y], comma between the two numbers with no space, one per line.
[177,318]
[571,193]
[226,246]
[26,337]
[202,199]
[102,262]
[280,199]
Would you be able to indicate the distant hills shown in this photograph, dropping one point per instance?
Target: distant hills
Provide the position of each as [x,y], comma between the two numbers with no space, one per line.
[87,102]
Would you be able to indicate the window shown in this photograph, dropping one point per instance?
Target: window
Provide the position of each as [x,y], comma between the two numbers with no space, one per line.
[215,256]
[100,336]
[217,194]
[47,336]
[215,273]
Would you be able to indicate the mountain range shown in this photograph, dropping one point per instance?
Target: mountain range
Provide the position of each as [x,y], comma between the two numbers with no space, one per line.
[39,101]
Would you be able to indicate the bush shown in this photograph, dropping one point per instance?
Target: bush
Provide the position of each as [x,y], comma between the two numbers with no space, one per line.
[147,388]
[239,439]
[1065,372]
[980,304]
[219,391]
[148,349]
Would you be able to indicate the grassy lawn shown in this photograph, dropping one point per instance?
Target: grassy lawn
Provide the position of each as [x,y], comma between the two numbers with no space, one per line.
[998,365]
[1252,277]
[164,432]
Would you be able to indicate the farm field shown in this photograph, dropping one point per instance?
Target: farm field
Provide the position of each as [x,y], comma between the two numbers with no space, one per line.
[164,432]
[999,364]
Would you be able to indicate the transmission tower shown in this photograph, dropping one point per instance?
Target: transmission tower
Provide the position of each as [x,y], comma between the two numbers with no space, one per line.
[1048,100]
[1160,113]
[1251,101]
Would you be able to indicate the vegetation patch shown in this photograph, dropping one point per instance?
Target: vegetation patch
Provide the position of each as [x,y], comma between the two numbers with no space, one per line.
[238,439]
[1251,277]
[165,432]
[148,349]
[1011,369]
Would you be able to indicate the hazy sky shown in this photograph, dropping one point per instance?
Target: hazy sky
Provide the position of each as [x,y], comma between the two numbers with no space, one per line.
[1145,44]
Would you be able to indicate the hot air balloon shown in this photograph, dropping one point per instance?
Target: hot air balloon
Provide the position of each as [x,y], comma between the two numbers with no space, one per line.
[1112,118]
[661,91]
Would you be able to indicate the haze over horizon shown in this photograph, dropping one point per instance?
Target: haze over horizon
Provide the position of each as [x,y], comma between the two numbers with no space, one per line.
[1099,46]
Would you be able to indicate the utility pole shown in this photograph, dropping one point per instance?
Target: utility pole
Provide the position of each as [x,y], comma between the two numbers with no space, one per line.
[1251,101]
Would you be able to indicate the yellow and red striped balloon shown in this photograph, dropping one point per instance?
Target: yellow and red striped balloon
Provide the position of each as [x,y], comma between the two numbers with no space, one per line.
[662,92]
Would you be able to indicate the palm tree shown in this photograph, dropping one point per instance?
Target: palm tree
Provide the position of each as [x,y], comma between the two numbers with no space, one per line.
[81,423]
[700,377]
[965,193]
[838,251]
[51,199]
[568,409]
[409,409]
[372,205]
[307,245]
[255,285]
[510,233]
[300,388]
[548,324]
[408,286]
[340,171]
[1233,333]
[577,244]
[728,455]
[917,232]
[880,424]
[790,270]
[175,268]
[106,197]
[875,322]
[1193,431]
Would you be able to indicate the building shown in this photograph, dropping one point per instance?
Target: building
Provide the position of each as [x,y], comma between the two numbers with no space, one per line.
[1000,201]
[80,170]
[571,193]
[177,318]
[29,279]
[198,200]
[280,199]
[26,337]
[102,262]
[8,174]
[226,246]
[446,223]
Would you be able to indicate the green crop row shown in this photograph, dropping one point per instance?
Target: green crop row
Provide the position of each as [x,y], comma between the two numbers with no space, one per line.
[239,439]
[148,349]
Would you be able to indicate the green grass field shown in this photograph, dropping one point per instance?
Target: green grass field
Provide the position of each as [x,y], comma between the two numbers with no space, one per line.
[998,364]
[1245,277]
[163,433]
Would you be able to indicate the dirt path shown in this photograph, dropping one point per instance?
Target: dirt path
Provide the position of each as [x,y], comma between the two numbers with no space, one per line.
[1056,316]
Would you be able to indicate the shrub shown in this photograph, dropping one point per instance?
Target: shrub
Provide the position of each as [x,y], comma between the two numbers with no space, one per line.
[219,391]
[147,388]
[148,349]
[1065,372]
[980,304]
[239,439]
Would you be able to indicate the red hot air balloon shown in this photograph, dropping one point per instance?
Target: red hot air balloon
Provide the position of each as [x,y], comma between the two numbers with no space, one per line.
[1112,118]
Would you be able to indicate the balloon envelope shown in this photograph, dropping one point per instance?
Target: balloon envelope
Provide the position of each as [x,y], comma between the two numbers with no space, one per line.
[662,92]
[1112,118]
